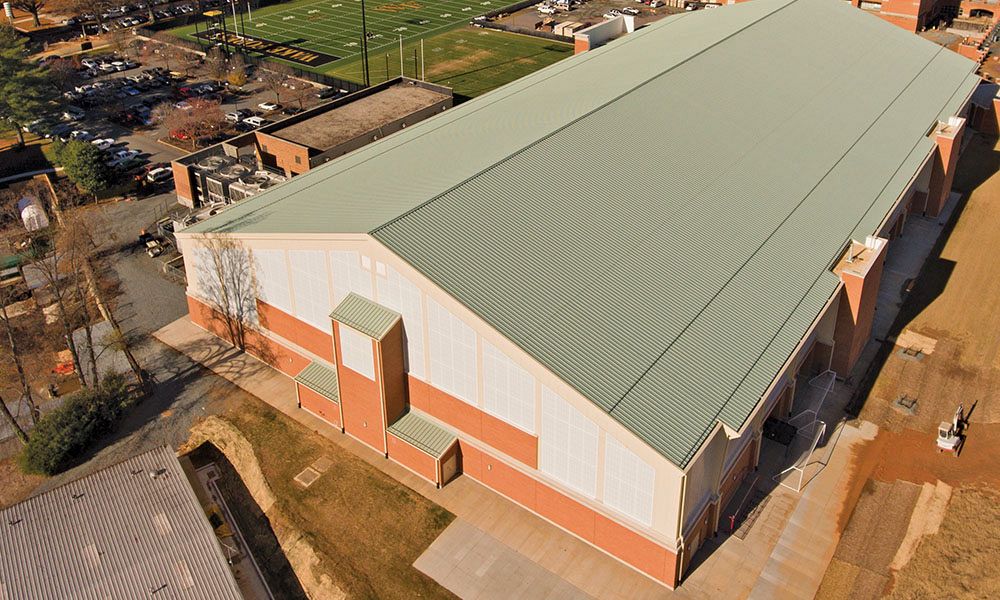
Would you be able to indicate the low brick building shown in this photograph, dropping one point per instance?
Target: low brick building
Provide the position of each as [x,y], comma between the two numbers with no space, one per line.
[524,291]
[250,163]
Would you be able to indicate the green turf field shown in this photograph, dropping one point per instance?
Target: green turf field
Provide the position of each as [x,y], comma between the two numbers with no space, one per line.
[334,26]
[471,60]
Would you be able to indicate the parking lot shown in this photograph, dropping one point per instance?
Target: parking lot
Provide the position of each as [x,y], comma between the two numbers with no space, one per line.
[545,16]
[115,102]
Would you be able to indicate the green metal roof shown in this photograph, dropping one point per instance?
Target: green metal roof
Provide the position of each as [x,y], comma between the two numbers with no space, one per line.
[653,221]
[360,313]
[320,379]
[422,434]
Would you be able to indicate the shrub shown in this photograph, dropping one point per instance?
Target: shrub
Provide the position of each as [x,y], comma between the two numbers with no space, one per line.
[64,433]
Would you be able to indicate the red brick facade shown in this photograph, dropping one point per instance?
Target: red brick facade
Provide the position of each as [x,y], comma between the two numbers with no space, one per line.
[319,405]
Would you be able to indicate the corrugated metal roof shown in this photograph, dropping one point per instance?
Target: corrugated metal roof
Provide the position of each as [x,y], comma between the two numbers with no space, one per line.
[422,434]
[653,220]
[360,313]
[320,379]
[118,533]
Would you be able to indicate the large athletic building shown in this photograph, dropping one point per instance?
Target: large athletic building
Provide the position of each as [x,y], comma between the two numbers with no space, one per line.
[589,288]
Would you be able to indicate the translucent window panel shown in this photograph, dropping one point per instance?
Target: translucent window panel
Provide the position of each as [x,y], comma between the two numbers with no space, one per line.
[349,275]
[356,352]
[223,279]
[628,482]
[272,279]
[396,292]
[508,390]
[567,444]
[452,353]
[311,287]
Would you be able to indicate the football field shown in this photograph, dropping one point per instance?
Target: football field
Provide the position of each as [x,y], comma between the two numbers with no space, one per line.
[333,27]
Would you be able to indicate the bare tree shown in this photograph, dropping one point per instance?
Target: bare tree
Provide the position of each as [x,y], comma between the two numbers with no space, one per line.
[117,340]
[63,74]
[274,78]
[9,294]
[225,280]
[14,425]
[203,117]
[55,272]
[31,6]
[237,76]
[215,63]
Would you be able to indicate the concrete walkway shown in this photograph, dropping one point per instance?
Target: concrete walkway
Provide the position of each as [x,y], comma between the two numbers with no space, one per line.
[494,546]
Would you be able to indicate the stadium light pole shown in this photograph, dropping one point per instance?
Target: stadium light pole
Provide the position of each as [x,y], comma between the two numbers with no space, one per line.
[364,43]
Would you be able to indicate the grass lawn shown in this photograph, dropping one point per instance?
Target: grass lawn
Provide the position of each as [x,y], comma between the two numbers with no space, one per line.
[469,60]
[366,527]
[334,26]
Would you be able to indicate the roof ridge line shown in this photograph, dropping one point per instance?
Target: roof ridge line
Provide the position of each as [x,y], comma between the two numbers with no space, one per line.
[718,412]
[577,119]
[484,106]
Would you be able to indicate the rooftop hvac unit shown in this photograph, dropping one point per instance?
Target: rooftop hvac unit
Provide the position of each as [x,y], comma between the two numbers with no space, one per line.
[234,171]
[212,163]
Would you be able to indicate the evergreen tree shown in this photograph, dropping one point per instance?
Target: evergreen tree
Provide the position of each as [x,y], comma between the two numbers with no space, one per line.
[25,92]
[85,166]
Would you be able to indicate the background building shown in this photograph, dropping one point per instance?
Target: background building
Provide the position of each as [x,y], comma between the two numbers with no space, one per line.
[522,289]
[131,530]
[255,161]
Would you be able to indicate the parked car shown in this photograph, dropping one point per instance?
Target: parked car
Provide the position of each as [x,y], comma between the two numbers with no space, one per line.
[330,93]
[256,122]
[123,155]
[81,136]
[547,10]
[104,143]
[238,115]
[73,113]
[628,10]
[159,174]
[268,106]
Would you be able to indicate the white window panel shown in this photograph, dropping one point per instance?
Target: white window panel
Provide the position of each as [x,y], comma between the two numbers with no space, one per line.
[272,279]
[356,351]
[452,353]
[567,444]
[349,275]
[311,286]
[223,279]
[397,293]
[508,390]
[628,482]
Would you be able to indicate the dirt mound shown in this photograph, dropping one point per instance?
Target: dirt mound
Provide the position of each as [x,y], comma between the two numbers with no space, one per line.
[298,551]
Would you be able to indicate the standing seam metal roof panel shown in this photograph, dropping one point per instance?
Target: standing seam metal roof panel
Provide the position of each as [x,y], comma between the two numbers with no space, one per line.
[320,379]
[370,318]
[118,533]
[653,221]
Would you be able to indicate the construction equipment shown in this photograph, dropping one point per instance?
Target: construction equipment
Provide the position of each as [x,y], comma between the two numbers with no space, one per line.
[950,436]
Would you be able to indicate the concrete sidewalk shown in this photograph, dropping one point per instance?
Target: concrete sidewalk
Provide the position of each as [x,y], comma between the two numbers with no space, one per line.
[494,545]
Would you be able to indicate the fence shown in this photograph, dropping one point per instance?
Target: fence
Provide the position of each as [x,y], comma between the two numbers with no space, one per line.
[524,31]
[257,61]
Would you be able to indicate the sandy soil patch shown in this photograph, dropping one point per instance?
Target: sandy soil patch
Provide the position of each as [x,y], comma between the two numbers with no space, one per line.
[454,65]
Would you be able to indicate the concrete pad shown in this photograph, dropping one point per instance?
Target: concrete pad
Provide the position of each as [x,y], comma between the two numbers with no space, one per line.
[322,464]
[474,564]
[307,477]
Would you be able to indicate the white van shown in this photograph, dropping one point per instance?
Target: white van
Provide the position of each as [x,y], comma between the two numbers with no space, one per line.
[256,121]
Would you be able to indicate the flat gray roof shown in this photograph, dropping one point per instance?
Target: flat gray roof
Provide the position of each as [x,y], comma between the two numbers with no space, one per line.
[655,220]
[121,533]
[344,123]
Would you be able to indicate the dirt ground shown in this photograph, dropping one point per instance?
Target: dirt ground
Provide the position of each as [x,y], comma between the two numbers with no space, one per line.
[366,528]
[16,485]
[955,304]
